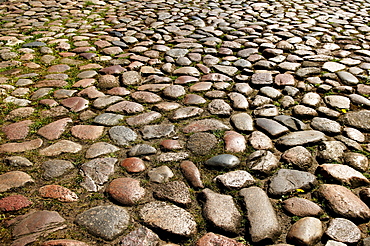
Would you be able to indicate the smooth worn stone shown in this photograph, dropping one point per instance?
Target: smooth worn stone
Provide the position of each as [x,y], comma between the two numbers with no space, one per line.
[58,192]
[211,239]
[221,211]
[336,101]
[62,146]
[171,144]
[75,104]
[108,119]
[235,179]
[170,219]
[174,91]
[242,121]
[107,222]
[228,70]
[311,99]
[347,78]
[33,44]
[100,148]
[193,99]
[133,164]
[343,174]
[343,202]
[55,129]
[272,127]
[287,180]
[299,157]
[22,112]
[167,106]
[141,236]
[126,191]
[143,119]
[349,143]
[105,101]
[262,161]
[201,143]
[216,77]
[325,125]
[21,147]
[16,131]
[18,161]
[87,132]
[302,207]
[186,112]
[175,191]
[56,168]
[91,92]
[126,107]
[142,149]
[64,242]
[234,142]
[158,131]
[160,174]
[205,125]
[263,223]
[14,179]
[301,138]
[27,228]
[306,231]
[122,135]
[200,86]
[186,80]
[304,111]
[262,79]
[356,160]
[260,141]
[307,71]
[270,92]
[87,74]
[343,230]
[191,173]
[145,97]
[224,160]
[97,172]
[190,71]
[331,151]
[358,119]
[239,100]
[115,69]
[14,203]
[359,100]
[333,66]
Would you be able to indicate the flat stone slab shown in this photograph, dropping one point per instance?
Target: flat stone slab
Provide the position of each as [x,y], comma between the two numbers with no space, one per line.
[21,147]
[158,131]
[58,192]
[301,138]
[170,219]
[107,222]
[122,135]
[205,125]
[100,148]
[63,146]
[16,131]
[85,132]
[14,203]
[55,129]
[306,231]
[359,119]
[14,179]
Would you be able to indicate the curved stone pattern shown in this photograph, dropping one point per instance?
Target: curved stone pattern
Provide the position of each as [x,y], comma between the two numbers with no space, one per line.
[214,95]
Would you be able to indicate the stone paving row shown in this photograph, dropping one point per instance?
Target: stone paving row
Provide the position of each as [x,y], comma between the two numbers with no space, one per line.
[184,122]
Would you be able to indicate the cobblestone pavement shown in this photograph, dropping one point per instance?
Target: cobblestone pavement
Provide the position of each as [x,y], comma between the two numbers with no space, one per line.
[184,122]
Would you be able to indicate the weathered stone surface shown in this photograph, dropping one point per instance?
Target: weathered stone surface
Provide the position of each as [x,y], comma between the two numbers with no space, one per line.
[201,143]
[343,202]
[242,121]
[221,211]
[343,174]
[64,242]
[234,142]
[160,174]
[16,131]
[85,132]
[142,149]
[158,131]
[211,239]
[133,164]
[260,141]
[55,129]
[359,119]
[56,168]
[142,236]
[343,230]
[96,172]
[14,203]
[168,218]
[299,157]
[235,179]
[286,181]
[58,192]
[100,148]
[175,191]
[122,135]
[306,231]
[107,222]
[263,222]
[262,161]
[205,125]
